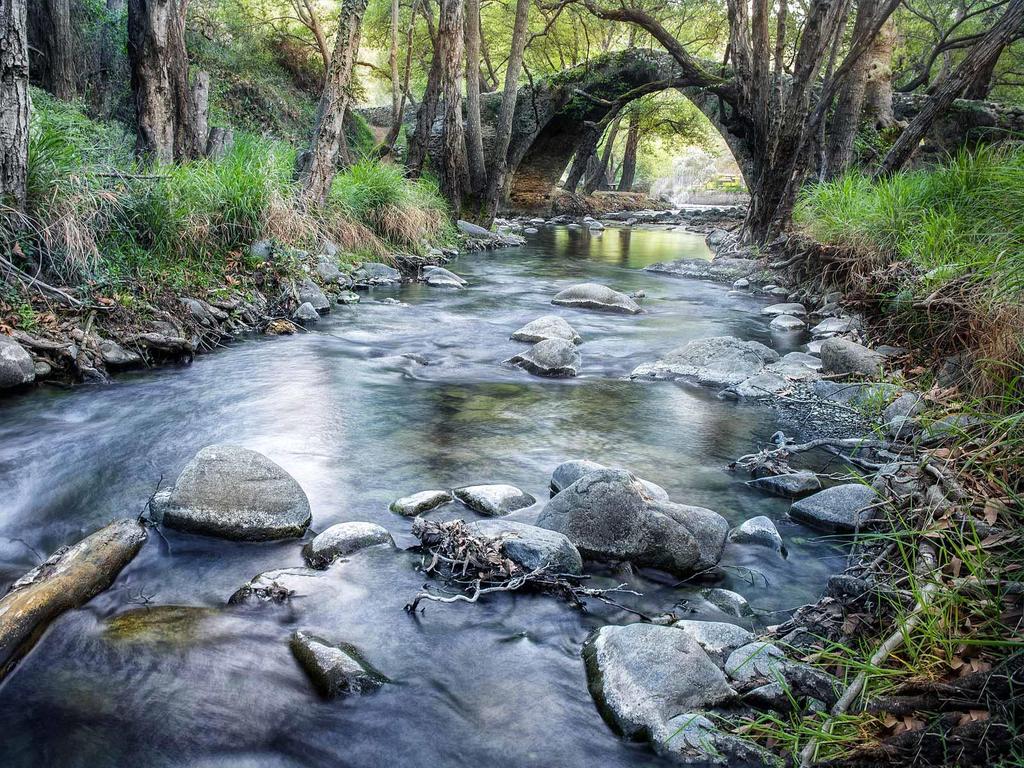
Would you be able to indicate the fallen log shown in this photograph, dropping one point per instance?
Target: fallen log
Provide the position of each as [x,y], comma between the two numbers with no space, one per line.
[68,579]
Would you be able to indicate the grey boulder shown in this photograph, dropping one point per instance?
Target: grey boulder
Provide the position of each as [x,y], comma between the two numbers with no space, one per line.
[792,485]
[334,670]
[791,308]
[327,269]
[234,493]
[555,358]
[343,539]
[641,675]
[310,292]
[840,355]
[547,327]
[609,515]
[717,638]
[418,503]
[442,278]
[840,509]
[116,356]
[760,531]
[473,230]
[691,738]
[728,601]
[716,361]
[596,296]
[494,500]
[375,273]
[532,547]
[833,325]
[787,323]
[16,367]
[568,472]
[305,314]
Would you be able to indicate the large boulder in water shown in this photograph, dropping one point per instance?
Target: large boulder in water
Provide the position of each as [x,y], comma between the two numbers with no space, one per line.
[551,357]
[596,296]
[547,327]
[343,539]
[841,508]
[494,500]
[568,472]
[609,515]
[530,546]
[335,670]
[642,675]
[441,277]
[723,361]
[234,493]
[16,367]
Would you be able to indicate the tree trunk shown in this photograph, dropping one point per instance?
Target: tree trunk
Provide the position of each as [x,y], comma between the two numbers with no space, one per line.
[503,128]
[598,178]
[14,102]
[316,166]
[396,83]
[981,86]
[474,131]
[388,145]
[452,158]
[842,129]
[165,108]
[109,57]
[878,68]
[52,44]
[629,155]
[979,58]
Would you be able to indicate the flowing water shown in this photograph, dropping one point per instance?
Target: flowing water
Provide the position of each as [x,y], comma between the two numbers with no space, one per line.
[380,401]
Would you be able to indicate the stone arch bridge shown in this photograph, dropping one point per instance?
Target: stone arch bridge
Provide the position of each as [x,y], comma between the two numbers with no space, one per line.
[552,116]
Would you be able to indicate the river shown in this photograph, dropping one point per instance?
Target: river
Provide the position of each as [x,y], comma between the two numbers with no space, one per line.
[379,401]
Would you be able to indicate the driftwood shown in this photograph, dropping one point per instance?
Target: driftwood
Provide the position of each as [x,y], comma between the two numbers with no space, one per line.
[69,578]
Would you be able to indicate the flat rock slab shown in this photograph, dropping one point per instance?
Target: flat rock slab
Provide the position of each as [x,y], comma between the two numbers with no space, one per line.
[641,675]
[547,327]
[609,515]
[791,308]
[568,472]
[234,493]
[554,358]
[494,500]
[532,547]
[473,230]
[791,485]
[840,509]
[596,296]
[715,361]
[343,539]
[334,669]
[418,503]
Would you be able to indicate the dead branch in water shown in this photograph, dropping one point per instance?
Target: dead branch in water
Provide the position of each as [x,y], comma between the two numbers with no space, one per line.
[474,566]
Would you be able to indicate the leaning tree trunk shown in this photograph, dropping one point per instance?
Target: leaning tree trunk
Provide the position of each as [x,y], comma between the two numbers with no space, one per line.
[474,132]
[14,103]
[878,87]
[165,107]
[981,86]
[52,41]
[506,113]
[979,58]
[584,152]
[317,166]
[628,175]
[598,178]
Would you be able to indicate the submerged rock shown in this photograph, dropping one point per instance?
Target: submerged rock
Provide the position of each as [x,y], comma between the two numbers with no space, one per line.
[841,508]
[760,531]
[547,327]
[551,357]
[840,355]
[277,586]
[309,292]
[16,368]
[234,493]
[720,268]
[609,515]
[532,547]
[791,308]
[442,278]
[418,503]
[375,273]
[176,625]
[335,670]
[728,601]
[792,485]
[642,675]
[568,472]
[716,361]
[596,296]
[787,323]
[494,500]
[343,539]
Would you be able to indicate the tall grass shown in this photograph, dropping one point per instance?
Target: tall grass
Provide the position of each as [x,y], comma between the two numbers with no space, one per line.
[94,214]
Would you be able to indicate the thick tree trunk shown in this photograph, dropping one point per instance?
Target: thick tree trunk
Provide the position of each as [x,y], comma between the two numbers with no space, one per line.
[165,107]
[878,68]
[474,132]
[979,58]
[503,128]
[842,129]
[584,152]
[14,102]
[452,158]
[981,86]
[316,167]
[629,155]
[598,178]
[52,43]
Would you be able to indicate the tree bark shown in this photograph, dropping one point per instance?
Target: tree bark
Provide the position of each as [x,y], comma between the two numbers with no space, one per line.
[980,57]
[165,107]
[581,160]
[388,145]
[598,178]
[474,132]
[14,103]
[452,159]
[108,54]
[52,44]
[878,87]
[503,128]
[629,155]
[316,166]
[396,83]
[981,85]
[842,129]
